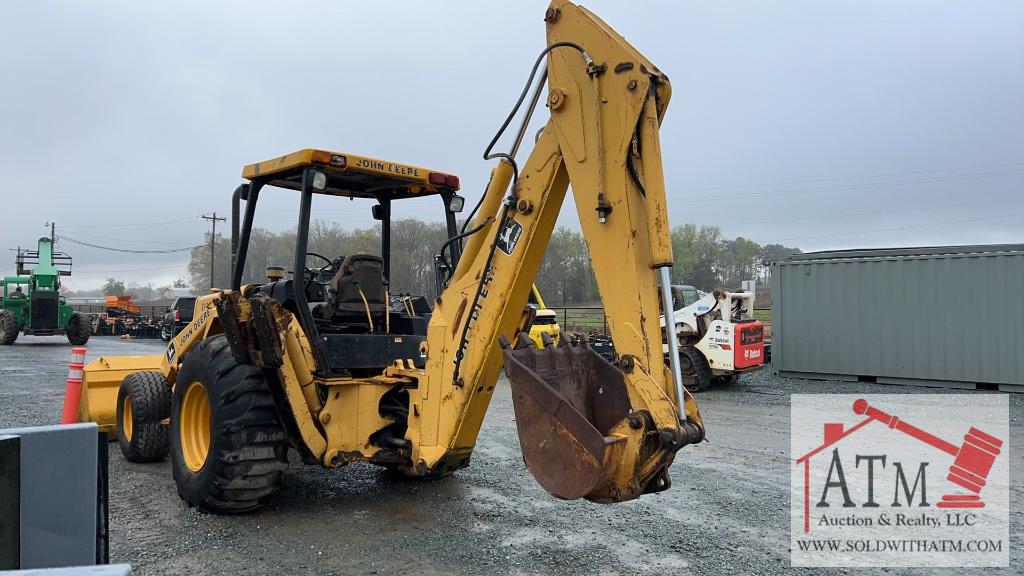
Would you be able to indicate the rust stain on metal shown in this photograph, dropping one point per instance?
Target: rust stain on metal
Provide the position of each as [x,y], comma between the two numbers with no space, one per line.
[458,316]
[567,400]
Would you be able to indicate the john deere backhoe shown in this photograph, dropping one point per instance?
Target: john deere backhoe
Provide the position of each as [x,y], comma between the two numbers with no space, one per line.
[327,364]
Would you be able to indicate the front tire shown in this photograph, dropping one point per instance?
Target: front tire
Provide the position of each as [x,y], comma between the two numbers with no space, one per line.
[78,330]
[8,328]
[228,449]
[143,403]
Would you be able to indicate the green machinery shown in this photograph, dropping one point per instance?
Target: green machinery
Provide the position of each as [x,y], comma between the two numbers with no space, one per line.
[32,303]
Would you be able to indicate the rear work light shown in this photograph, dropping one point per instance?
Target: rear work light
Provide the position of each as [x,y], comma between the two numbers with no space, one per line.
[322,157]
[439,179]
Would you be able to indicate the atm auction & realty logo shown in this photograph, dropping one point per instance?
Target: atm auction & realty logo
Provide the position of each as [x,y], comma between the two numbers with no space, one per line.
[900,480]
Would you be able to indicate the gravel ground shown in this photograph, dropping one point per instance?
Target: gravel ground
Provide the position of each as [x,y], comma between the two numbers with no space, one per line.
[727,512]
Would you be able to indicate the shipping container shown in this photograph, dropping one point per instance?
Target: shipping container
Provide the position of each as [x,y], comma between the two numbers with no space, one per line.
[942,316]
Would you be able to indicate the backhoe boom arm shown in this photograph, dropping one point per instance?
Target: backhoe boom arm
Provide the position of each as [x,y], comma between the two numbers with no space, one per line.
[606,102]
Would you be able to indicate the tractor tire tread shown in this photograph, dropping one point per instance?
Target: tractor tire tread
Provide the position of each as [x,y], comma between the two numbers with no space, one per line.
[248,447]
[78,330]
[150,395]
[8,328]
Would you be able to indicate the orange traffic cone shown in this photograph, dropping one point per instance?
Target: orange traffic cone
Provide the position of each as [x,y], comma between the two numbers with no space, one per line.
[73,391]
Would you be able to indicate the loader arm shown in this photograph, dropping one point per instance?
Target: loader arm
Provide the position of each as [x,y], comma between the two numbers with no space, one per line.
[606,101]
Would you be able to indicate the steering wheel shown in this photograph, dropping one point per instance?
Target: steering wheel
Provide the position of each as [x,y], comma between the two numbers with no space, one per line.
[324,258]
[317,274]
[321,276]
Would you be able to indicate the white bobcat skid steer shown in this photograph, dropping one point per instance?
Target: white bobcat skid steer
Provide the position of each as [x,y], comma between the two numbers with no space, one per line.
[718,339]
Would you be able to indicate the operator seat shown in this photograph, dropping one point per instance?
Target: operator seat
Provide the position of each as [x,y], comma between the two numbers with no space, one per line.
[358,295]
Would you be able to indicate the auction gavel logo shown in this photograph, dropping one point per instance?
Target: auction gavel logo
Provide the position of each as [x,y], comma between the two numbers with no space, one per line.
[972,461]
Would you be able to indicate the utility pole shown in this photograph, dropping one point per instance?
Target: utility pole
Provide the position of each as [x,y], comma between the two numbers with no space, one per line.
[213,240]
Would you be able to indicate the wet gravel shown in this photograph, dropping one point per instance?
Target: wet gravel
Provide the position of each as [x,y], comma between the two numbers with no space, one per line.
[726,513]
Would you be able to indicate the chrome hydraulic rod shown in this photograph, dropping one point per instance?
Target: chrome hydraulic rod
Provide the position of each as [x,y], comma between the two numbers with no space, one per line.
[665,281]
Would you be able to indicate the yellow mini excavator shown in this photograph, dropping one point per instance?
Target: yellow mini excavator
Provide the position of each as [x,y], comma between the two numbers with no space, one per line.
[324,363]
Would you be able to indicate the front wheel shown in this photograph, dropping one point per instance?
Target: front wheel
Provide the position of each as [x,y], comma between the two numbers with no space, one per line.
[228,449]
[78,329]
[8,328]
[143,404]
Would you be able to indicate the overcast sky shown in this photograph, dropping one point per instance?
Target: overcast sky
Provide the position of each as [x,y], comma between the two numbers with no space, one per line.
[810,123]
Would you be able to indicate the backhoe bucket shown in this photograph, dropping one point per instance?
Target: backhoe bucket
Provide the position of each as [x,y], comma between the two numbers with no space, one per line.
[567,400]
[101,380]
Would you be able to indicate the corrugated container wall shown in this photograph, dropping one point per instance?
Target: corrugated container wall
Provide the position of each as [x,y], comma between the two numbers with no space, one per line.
[952,316]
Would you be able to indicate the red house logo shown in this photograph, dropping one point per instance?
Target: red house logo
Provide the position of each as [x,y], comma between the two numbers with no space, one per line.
[972,459]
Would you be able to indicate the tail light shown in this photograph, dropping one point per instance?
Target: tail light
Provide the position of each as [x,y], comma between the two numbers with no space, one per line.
[439,179]
[752,335]
[177,315]
[323,157]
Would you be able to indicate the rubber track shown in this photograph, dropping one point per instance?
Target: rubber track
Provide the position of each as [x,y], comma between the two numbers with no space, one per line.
[698,379]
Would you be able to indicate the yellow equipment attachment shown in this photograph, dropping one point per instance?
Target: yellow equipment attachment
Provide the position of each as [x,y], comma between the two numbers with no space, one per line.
[101,380]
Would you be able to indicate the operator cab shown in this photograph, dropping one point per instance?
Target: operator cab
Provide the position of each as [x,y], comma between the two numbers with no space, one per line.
[357,323]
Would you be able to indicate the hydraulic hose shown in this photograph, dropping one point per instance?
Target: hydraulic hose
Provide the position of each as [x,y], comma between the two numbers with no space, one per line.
[510,156]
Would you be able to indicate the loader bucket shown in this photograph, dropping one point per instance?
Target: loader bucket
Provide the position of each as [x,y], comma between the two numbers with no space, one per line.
[101,380]
[567,400]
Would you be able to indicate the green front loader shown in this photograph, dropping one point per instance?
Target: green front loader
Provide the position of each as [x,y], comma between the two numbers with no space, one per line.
[32,303]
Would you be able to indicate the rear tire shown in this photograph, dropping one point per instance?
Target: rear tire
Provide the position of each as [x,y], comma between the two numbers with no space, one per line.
[143,403]
[78,330]
[8,328]
[165,333]
[695,369]
[228,449]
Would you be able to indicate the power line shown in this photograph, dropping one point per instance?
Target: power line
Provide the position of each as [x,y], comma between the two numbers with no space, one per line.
[128,240]
[135,224]
[124,250]
[854,214]
[897,228]
[94,271]
[848,187]
[863,177]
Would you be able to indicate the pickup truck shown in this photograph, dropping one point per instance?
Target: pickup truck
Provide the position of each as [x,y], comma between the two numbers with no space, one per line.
[177,317]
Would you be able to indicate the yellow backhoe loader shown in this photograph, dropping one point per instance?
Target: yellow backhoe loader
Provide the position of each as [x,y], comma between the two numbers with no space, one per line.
[545,320]
[324,363]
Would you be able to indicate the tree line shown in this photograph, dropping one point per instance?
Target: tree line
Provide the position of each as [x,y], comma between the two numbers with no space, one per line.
[703,258]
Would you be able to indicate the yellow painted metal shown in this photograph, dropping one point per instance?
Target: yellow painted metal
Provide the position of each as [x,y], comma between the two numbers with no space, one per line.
[445,418]
[501,176]
[595,114]
[538,329]
[126,418]
[339,163]
[295,375]
[101,380]
[194,426]
[660,235]
[204,324]
[604,118]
